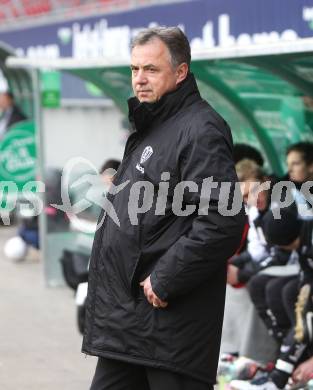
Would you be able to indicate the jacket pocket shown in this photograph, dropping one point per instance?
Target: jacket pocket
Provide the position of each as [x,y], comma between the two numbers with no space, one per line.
[154,328]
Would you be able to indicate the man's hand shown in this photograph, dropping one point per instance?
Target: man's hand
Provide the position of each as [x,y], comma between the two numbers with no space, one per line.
[304,372]
[232,275]
[150,295]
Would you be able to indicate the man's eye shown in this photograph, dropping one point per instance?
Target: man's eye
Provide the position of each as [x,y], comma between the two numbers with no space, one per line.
[152,70]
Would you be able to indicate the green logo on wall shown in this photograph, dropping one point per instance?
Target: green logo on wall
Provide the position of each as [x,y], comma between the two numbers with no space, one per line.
[50,83]
[18,154]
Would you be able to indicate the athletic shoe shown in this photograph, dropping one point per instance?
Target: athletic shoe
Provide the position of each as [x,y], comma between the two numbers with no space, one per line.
[262,383]
[241,368]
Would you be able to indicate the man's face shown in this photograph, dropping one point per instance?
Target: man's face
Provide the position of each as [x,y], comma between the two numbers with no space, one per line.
[252,196]
[152,72]
[245,189]
[298,170]
[5,101]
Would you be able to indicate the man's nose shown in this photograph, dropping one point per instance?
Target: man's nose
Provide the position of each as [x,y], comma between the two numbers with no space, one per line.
[141,77]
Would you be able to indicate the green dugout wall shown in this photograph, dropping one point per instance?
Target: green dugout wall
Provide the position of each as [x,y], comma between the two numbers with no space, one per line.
[264,92]
[267,98]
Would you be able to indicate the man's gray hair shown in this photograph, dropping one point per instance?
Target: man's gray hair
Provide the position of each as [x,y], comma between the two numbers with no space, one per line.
[173,37]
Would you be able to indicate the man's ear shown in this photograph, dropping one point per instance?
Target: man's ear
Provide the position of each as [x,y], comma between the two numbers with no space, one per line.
[181,72]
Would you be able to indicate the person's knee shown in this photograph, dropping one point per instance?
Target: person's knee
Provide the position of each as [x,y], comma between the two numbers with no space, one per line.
[256,285]
[273,292]
[290,292]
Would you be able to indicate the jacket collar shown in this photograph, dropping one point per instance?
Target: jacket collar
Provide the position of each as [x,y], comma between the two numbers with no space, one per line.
[144,115]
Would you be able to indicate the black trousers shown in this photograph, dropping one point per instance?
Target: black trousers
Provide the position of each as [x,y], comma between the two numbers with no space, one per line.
[274,299]
[116,375]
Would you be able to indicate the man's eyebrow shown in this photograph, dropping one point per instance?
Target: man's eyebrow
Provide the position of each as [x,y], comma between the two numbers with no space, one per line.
[148,66]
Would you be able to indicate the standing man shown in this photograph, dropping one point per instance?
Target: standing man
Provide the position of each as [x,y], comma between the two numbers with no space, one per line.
[11,114]
[157,282]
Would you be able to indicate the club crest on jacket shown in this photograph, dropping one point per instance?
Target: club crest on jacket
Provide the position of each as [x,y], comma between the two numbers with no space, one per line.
[146,154]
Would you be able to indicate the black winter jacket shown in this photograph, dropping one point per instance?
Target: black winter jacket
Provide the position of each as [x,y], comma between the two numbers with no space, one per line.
[185,255]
